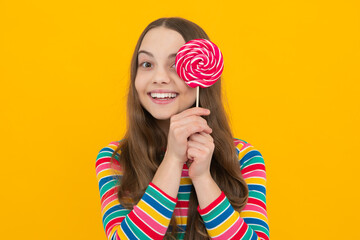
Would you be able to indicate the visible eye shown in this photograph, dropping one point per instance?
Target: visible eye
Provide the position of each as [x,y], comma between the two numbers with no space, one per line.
[145,64]
[173,66]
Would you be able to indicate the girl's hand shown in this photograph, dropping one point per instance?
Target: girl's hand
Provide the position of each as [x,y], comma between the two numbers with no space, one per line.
[200,150]
[182,126]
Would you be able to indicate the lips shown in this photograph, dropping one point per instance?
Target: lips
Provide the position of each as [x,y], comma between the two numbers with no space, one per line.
[165,100]
[162,91]
[163,95]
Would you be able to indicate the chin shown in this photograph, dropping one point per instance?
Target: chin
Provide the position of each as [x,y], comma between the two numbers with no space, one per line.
[162,116]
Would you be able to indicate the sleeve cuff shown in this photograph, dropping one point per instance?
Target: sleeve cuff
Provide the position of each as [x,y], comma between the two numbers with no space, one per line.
[212,205]
[163,193]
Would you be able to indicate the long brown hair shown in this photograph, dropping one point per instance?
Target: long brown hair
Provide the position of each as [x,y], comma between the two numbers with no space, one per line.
[142,147]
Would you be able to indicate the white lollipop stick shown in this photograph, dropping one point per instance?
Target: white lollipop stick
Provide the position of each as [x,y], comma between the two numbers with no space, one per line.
[197,96]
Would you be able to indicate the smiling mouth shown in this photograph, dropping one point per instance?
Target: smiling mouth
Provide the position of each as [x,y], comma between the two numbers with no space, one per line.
[163,96]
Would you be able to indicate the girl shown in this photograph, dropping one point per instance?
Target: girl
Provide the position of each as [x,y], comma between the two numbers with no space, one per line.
[178,173]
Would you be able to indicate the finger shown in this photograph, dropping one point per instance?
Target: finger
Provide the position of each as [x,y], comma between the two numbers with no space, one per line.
[201,137]
[191,111]
[192,153]
[198,145]
[192,120]
[191,125]
[185,131]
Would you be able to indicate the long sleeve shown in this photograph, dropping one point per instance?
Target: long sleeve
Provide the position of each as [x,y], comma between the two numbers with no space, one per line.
[222,221]
[149,219]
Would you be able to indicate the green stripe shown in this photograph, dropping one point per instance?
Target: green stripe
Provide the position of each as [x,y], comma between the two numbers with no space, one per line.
[104,154]
[159,196]
[137,232]
[216,211]
[183,196]
[120,213]
[107,186]
[257,195]
[248,233]
[258,228]
[180,236]
[254,160]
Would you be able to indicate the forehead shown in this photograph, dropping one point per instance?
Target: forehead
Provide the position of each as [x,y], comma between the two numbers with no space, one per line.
[161,39]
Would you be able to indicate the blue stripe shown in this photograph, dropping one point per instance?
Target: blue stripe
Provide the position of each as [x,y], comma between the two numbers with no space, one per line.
[254,187]
[157,206]
[105,180]
[220,218]
[113,237]
[181,226]
[126,229]
[112,209]
[185,188]
[249,155]
[256,221]
[109,151]
[254,235]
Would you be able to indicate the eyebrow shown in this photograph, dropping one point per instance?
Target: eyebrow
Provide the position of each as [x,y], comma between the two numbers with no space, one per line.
[151,55]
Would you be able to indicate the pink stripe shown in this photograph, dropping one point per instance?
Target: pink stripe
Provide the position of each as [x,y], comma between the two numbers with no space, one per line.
[231,231]
[255,208]
[181,212]
[116,222]
[185,173]
[149,221]
[117,235]
[115,165]
[103,166]
[108,166]
[260,174]
[116,143]
[108,200]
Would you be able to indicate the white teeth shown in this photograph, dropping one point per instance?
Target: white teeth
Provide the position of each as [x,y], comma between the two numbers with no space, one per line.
[163,95]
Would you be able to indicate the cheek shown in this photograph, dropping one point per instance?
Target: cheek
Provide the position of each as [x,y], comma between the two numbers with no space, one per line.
[192,93]
[188,91]
[137,85]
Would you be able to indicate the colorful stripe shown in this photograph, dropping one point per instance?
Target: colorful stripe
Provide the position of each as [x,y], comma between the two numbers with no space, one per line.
[150,218]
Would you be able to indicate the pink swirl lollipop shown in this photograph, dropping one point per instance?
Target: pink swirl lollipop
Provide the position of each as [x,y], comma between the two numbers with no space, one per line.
[199,62]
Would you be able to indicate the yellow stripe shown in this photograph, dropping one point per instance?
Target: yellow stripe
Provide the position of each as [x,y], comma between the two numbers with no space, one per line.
[245,151]
[112,231]
[239,145]
[121,234]
[107,173]
[181,220]
[109,205]
[253,214]
[158,217]
[260,181]
[222,228]
[113,147]
[184,181]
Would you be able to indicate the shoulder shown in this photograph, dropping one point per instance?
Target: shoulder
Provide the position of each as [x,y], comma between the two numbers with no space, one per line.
[249,157]
[104,161]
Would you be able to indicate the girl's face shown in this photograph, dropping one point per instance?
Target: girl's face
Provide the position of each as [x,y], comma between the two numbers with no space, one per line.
[161,91]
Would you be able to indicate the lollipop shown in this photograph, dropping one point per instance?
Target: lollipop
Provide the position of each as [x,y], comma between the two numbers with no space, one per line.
[199,63]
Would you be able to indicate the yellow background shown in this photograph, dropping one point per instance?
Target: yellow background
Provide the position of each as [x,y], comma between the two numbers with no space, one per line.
[292,83]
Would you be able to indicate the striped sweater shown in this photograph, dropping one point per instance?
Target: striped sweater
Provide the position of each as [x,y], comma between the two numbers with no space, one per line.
[150,218]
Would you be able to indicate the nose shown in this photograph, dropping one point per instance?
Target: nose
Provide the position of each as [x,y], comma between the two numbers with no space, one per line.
[161,75]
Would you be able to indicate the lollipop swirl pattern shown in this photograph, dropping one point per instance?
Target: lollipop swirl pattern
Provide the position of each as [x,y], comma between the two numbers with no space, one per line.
[199,63]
